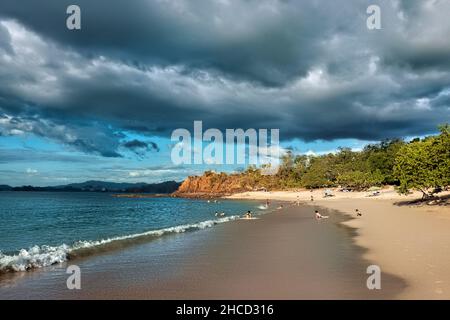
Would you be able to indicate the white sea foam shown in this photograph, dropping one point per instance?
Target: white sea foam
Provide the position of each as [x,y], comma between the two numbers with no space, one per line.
[34,257]
[42,256]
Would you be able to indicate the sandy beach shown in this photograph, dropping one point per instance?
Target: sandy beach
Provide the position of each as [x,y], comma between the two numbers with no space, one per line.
[284,254]
[411,242]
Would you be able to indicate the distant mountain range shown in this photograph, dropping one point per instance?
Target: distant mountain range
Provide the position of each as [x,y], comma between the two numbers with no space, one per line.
[103,186]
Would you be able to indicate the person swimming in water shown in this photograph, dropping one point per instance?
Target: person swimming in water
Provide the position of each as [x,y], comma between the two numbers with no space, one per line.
[248,215]
[319,216]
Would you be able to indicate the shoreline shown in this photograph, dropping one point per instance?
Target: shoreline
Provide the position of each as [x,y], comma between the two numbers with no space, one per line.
[283,254]
[408,241]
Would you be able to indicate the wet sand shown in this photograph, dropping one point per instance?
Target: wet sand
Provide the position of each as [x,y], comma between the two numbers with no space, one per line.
[409,241]
[283,255]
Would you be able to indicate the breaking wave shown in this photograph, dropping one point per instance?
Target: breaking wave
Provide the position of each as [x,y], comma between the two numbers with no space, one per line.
[42,256]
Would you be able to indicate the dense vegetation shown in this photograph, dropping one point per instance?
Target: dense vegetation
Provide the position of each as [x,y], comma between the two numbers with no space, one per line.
[424,164]
[417,165]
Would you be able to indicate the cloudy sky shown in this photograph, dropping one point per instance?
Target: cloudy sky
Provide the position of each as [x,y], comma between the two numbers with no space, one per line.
[101,102]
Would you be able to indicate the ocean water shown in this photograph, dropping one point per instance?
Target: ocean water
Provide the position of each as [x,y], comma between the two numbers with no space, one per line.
[39,229]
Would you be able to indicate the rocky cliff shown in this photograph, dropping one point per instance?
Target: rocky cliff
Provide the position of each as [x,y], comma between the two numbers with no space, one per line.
[212,184]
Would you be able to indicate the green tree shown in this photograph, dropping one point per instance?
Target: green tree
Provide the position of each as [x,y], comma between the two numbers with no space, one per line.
[382,156]
[360,180]
[287,174]
[424,165]
[320,173]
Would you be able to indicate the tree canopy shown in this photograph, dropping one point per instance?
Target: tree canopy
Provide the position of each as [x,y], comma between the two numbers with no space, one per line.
[420,164]
[424,164]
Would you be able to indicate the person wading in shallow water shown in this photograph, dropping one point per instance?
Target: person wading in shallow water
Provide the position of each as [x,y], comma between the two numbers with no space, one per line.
[319,216]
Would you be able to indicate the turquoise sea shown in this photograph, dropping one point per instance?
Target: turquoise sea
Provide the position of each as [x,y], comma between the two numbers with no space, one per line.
[39,229]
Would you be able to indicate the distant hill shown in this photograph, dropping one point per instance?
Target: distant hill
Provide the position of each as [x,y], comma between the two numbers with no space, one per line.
[103,186]
[98,185]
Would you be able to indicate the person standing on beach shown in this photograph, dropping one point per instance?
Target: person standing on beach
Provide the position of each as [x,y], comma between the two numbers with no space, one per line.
[298,201]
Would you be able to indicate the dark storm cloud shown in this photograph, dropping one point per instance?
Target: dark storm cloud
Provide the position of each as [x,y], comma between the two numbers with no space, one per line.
[266,41]
[5,40]
[310,68]
[153,146]
[139,146]
[135,144]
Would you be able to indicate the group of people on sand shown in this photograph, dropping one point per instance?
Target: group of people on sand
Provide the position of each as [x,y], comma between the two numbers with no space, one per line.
[319,216]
